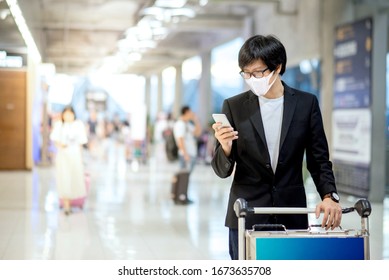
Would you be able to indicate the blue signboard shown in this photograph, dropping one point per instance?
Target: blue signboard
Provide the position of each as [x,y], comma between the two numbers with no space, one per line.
[351,118]
[318,248]
[352,52]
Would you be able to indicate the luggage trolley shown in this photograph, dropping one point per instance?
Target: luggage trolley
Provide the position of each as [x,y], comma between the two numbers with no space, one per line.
[275,242]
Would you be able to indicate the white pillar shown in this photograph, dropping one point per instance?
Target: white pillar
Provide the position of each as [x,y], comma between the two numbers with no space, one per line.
[148,95]
[205,90]
[160,93]
[179,91]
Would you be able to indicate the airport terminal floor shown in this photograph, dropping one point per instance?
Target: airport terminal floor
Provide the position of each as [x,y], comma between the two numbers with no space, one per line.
[129,213]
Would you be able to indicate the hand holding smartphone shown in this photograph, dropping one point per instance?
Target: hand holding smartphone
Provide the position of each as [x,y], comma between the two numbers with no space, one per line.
[227,136]
[222,118]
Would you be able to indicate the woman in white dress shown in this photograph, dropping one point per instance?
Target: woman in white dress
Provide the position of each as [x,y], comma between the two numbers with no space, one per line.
[69,135]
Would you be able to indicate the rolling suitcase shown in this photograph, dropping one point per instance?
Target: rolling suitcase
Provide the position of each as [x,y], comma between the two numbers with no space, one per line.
[274,242]
[179,190]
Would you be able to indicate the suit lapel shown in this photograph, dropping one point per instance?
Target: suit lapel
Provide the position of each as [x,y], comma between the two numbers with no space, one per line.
[254,112]
[255,116]
[290,102]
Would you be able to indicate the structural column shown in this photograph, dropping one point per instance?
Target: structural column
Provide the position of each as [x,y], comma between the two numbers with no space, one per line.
[248,27]
[148,96]
[160,93]
[205,90]
[378,108]
[332,13]
[178,92]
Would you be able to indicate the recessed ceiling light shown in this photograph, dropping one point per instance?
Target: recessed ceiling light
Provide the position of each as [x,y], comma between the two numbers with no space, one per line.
[170,3]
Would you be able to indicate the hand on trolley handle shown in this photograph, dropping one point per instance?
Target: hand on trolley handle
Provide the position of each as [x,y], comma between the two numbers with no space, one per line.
[332,213]
[241,208]
[362,206]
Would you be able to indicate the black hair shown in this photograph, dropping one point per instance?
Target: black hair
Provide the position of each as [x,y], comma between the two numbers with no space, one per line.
[184,109]
[266,48]
[68,108]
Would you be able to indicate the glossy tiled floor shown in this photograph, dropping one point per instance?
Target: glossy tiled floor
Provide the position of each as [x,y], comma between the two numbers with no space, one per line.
[129,214]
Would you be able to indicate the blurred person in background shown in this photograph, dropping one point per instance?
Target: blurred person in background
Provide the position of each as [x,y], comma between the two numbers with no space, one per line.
[186,131]
[127,140]
[273,127]
[92,131]
[69,135]
[171,148]
[116,127]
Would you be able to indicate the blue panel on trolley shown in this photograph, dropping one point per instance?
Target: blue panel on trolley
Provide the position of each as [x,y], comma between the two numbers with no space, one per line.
[318,248]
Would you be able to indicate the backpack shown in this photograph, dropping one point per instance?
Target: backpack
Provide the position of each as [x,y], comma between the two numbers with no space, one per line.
[170,144]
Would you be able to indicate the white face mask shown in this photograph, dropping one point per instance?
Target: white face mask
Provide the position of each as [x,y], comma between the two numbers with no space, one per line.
[260,86]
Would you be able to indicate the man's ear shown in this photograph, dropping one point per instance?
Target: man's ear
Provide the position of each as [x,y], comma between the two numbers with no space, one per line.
[278,68]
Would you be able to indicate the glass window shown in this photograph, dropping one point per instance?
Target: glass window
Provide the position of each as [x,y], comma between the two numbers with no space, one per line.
[226,81]
[191,73]
[168,91]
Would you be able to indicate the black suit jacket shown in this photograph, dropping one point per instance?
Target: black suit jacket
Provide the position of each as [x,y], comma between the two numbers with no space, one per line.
[254,180]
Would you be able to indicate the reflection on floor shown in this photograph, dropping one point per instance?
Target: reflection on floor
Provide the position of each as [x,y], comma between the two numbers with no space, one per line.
[129,214]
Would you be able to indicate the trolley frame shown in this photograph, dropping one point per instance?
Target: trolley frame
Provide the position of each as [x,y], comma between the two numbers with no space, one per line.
[241,208]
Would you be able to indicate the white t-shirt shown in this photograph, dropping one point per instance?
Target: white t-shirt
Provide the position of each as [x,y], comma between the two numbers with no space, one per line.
[69,133]
[186,130]
[271,112]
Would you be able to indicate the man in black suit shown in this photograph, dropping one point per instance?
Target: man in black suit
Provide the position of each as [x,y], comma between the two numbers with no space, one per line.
[273,126]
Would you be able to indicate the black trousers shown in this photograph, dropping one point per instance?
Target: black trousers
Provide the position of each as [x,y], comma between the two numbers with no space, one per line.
[233,244]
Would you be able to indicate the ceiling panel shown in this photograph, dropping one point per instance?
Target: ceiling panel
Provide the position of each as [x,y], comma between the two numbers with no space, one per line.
[10,38]
[78,35]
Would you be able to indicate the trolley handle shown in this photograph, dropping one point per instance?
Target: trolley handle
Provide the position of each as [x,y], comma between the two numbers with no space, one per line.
[362,206]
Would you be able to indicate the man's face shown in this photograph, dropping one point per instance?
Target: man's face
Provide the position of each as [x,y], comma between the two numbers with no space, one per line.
[258,69]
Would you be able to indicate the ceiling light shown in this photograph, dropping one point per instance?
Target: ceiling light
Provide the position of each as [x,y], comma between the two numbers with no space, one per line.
[150,22]
[153,11]
[126,45]
[135,56]
[166,15]
[203,3]
[4,13]
[23,28]
[185,12]
[170,3]
[159,33]
[146,44]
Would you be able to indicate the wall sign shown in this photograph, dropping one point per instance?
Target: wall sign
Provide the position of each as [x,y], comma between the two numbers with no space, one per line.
[351,118]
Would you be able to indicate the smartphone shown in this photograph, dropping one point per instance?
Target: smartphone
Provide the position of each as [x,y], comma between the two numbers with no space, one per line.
[222,118]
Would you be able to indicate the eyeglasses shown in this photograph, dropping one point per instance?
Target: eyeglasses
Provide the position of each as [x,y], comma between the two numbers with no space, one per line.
[256,74]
